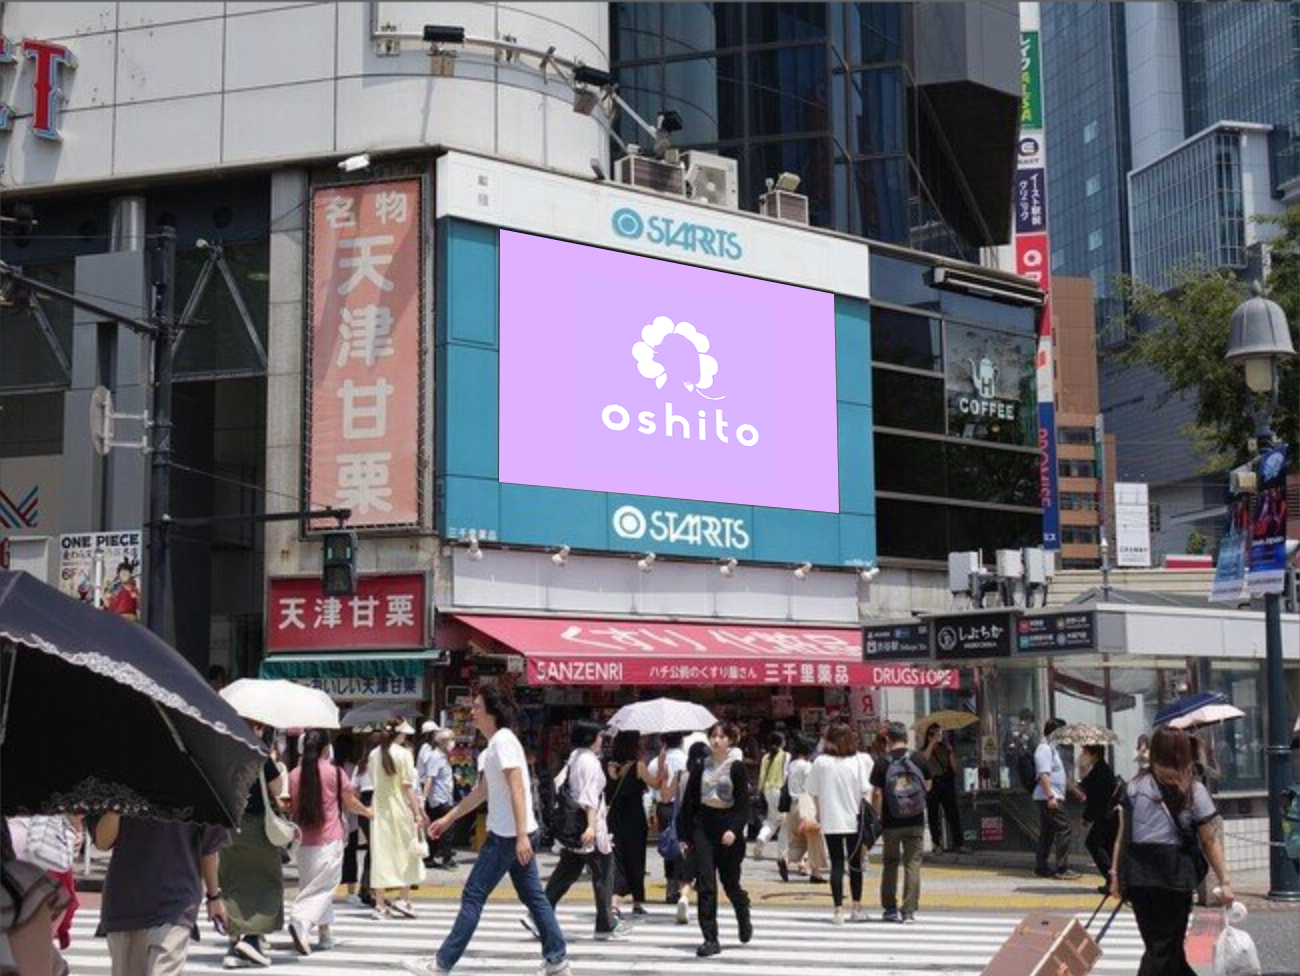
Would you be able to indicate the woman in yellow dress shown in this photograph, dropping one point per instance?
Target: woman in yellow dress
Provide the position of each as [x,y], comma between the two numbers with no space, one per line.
[397,830]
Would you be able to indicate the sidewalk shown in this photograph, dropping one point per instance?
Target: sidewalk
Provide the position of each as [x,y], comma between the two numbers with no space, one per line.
[986,882]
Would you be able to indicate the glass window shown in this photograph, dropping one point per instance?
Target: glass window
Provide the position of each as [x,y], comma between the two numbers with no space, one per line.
[988,529]
[1237,748]
[789,90]
[991,390]
[1080,535]
[1070,468]
[902,282]
[985,311]
[877,107]
[774,22]
[906,340]
[881,186]
[636,33]
[34,335]
[912,530]
[1095,240]
[1073,501]
[1092,186]
[642,88]
[222,344]
[876,32]
[709,94]
[1075,436]
[31,424]
[691,28]
[987,475]
[1078,695]
[810,158]
[907,401]
[1090,132]
[910,465]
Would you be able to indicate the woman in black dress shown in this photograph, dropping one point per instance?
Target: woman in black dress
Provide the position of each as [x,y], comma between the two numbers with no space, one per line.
[627,778]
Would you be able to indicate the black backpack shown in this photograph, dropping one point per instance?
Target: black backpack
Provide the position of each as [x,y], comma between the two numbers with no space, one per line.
[566,820]
[1027,771]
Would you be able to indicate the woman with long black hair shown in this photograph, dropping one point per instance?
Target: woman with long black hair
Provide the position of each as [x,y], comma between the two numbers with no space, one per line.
[1166,845]
[627,777]
[319,791]
[712,820]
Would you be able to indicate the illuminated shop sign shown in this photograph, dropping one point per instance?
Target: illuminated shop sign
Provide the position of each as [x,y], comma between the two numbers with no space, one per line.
[48,61]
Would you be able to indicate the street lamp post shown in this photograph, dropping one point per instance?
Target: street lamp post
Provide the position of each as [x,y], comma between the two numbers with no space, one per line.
[1260,339]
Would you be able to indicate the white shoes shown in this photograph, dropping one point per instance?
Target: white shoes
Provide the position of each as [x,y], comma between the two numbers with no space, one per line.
[860,915]
[683,911]
[561,968]
[424,966]
[298,933]
[838,917]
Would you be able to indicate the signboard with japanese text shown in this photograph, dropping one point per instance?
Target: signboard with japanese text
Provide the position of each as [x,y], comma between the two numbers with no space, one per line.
[973,635]
[560,651]
[1063,632]
[392,688]
[103,569]
[900,641]
[386,612]
[1132,525]
[363,372]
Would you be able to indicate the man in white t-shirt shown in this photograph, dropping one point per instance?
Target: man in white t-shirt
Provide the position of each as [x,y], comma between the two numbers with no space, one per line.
[508,849]
[674,759]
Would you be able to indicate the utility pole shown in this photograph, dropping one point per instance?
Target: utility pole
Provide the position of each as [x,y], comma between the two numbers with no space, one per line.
[163,338]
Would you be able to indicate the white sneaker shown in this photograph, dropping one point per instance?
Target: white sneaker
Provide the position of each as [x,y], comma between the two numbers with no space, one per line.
[324,937]
[232,961]
[683,911]
[619,933]
[838,917]
[424,966]
[860,915]
[251,952]
[561,968]
[298,933]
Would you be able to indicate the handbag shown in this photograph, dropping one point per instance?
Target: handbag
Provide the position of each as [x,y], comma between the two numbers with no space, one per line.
[869,825]
[783,802]
[280,831]
[417,847]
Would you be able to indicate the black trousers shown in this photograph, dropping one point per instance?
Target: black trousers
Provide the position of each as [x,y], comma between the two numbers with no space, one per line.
[1053,833]
[440,849]
[713,861]
[1162,920]
[569,869]
[364,824]
[943,796]
[1101,844]
[350,858]
[664,815]
[629,859]
[840,846]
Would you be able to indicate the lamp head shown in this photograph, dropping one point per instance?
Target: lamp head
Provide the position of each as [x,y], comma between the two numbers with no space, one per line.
[1260,338]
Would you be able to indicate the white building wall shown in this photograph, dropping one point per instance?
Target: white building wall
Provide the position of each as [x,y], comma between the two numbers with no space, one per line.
[165,88]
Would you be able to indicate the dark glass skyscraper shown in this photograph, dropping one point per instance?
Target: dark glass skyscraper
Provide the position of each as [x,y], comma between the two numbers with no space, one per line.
[873,105]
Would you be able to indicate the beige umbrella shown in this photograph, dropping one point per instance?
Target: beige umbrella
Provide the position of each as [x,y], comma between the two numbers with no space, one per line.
[1083,734]
[948,720]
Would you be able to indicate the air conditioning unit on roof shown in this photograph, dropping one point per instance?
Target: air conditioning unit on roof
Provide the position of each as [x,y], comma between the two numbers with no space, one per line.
[784,205]
[651,174]
[712,179]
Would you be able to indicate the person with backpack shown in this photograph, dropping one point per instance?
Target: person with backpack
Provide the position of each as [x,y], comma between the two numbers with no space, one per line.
[668,771]
[840,781]
[1165,848]
[578,824]
[1097,788]
[901,782]
[1049,795]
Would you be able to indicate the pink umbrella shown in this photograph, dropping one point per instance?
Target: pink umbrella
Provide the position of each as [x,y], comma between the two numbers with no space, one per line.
[1207,715]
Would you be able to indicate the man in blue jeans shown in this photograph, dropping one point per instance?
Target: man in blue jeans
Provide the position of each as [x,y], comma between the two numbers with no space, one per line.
[511,833]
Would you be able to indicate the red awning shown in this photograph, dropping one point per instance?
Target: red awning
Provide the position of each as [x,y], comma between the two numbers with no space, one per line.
[645,652]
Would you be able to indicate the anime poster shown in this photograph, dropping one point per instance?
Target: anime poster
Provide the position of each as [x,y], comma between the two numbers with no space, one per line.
[103,569]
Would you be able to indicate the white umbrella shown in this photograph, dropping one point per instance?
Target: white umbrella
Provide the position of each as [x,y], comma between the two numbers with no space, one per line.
[1211,714]
[662,715]
[282,704]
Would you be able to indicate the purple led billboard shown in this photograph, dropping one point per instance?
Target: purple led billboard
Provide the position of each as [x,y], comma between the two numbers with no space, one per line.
[632,375]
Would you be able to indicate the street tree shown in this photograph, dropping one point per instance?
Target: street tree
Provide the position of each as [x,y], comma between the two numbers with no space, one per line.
[1183,334]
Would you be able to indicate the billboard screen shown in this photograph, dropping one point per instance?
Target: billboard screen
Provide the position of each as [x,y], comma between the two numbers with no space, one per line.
[627,374]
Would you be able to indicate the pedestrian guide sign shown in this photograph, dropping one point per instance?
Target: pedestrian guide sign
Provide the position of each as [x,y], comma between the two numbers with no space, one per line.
[982,634]
[1038,633]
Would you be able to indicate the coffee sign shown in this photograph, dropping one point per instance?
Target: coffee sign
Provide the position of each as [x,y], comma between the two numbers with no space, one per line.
[990,386]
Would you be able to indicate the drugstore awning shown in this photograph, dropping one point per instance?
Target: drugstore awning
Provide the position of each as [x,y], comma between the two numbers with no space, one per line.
[560,651]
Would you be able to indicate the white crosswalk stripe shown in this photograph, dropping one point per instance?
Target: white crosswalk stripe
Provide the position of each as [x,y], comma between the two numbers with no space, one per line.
[786,941]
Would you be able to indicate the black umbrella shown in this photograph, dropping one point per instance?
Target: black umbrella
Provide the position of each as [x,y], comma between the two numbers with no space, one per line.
[98,714]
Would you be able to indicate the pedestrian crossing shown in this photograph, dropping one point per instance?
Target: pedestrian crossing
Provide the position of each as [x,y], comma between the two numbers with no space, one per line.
[786,941]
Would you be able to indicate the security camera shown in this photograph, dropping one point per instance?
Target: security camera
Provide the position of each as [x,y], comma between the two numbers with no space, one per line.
[646,562]
[354,163]
[561,556]
[870,573]
[728,568]
[802,572]
[475,553]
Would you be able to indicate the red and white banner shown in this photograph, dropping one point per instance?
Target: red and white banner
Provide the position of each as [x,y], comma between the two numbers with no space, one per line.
[365,352]
[599,652]
[387,612]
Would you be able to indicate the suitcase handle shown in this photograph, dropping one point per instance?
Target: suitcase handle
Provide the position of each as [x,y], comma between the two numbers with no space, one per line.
[1096,911]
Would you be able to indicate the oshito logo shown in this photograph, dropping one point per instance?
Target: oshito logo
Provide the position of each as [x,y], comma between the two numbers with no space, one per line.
[679,235]
[686,358]
[682,528]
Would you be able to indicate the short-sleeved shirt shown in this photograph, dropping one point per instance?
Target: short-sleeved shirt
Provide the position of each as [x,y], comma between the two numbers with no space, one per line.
[878,774]
[270,772]
[440,779]
[1047,759]
[839,784]
[675,760]
[153,876]
[332,778]
[797,776]
[1153,823]
[504,751]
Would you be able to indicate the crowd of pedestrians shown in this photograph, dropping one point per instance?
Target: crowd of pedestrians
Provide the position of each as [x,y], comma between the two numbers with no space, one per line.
[376,814]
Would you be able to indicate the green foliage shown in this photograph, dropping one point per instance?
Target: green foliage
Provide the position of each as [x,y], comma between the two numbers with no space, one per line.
[1186,338]
[1195,543]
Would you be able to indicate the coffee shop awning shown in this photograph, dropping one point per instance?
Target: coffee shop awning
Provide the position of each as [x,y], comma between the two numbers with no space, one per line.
[565,651]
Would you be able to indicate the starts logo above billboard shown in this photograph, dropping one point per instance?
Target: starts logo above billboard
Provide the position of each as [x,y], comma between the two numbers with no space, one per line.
[628,374]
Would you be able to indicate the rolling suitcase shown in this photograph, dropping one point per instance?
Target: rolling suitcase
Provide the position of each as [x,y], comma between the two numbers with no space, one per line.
[1050,945]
